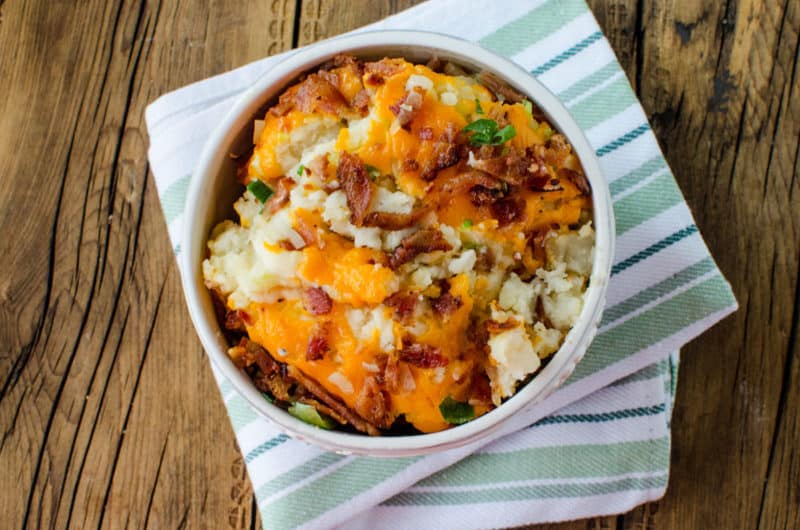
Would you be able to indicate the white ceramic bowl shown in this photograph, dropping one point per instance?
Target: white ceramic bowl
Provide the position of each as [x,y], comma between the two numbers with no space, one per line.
[213,191]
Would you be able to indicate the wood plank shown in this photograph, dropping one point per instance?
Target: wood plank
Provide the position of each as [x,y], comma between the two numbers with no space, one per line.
[716,81]
[108,410]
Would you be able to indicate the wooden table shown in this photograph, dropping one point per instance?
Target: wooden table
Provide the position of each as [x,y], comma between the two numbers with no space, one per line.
[108,412]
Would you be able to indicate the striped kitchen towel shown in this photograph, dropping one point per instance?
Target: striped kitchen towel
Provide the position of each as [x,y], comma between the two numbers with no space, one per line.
[598,445]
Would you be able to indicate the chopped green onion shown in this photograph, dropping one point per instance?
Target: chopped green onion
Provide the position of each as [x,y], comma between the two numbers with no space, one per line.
[467,224]
[310,415]
[471,245]
[528,107]
[300,170]
[261,191]
[269,398]
[456,412]
[374,172]
[505,134]
[478,108]
[485,132]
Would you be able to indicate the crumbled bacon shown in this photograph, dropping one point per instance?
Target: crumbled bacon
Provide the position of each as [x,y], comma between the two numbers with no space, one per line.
[323,395]
[314,94]
[425,133]
[425,240]
[252,352]
[410,165]
[485,260]
[579,179]
[374,79]
[406,108]
[464,180]
[507,211]
[307,232]
[394,221]
[515,167]
[435,64]
[385,67]
[354,178]
[481,196]
[444,155]
[493,326]
[500,88]
[319,166]
[236,320]
[480,388]
[422,355]
[544,184]
[372,403]
[318,343]
[402,303]
[316,301]
[445,303]
[360,102]
[281,195]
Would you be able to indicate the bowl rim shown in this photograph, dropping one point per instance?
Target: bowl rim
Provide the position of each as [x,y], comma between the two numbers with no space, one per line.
[376,43]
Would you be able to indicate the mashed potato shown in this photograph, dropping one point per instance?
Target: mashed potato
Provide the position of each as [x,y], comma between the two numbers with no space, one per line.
[411,245]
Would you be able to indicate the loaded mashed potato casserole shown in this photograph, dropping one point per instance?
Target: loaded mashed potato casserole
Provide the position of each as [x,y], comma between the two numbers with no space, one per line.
[414,242]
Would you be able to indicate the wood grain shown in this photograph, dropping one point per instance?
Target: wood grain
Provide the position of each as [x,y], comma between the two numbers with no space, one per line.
[109,416]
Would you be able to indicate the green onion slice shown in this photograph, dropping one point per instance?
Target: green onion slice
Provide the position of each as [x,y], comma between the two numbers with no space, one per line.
[456,412]
[374,172]
[310,415]
[261,191]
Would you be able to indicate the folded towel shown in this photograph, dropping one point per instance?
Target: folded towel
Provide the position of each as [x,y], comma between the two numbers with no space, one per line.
[598,445]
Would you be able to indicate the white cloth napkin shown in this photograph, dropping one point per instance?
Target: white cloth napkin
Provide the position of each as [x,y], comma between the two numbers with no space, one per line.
[586,456]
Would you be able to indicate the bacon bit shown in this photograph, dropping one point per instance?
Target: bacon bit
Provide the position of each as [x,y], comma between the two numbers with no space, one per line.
[315,93]
[281,195]
[500,88]
[319,166]
[385,67]
[425,240]
[372,404]
[435,64]
[316,301]
[285,244]
[254,353]
[444,155]
[318,343]
[485,260]
[307,232]
[494,327]
[507,211]
[425,133]
[236,320]
[406,107]
[394,221]
[470,178]
[402,303]
[360,102]
[579,179]
[319,392]
[481,196]
[410,165]
[422,355]
[445,303]
[480,388]
[357,185]
[374,79]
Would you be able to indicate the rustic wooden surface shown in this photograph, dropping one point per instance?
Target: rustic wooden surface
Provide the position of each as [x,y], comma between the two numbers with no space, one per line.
[108,413]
